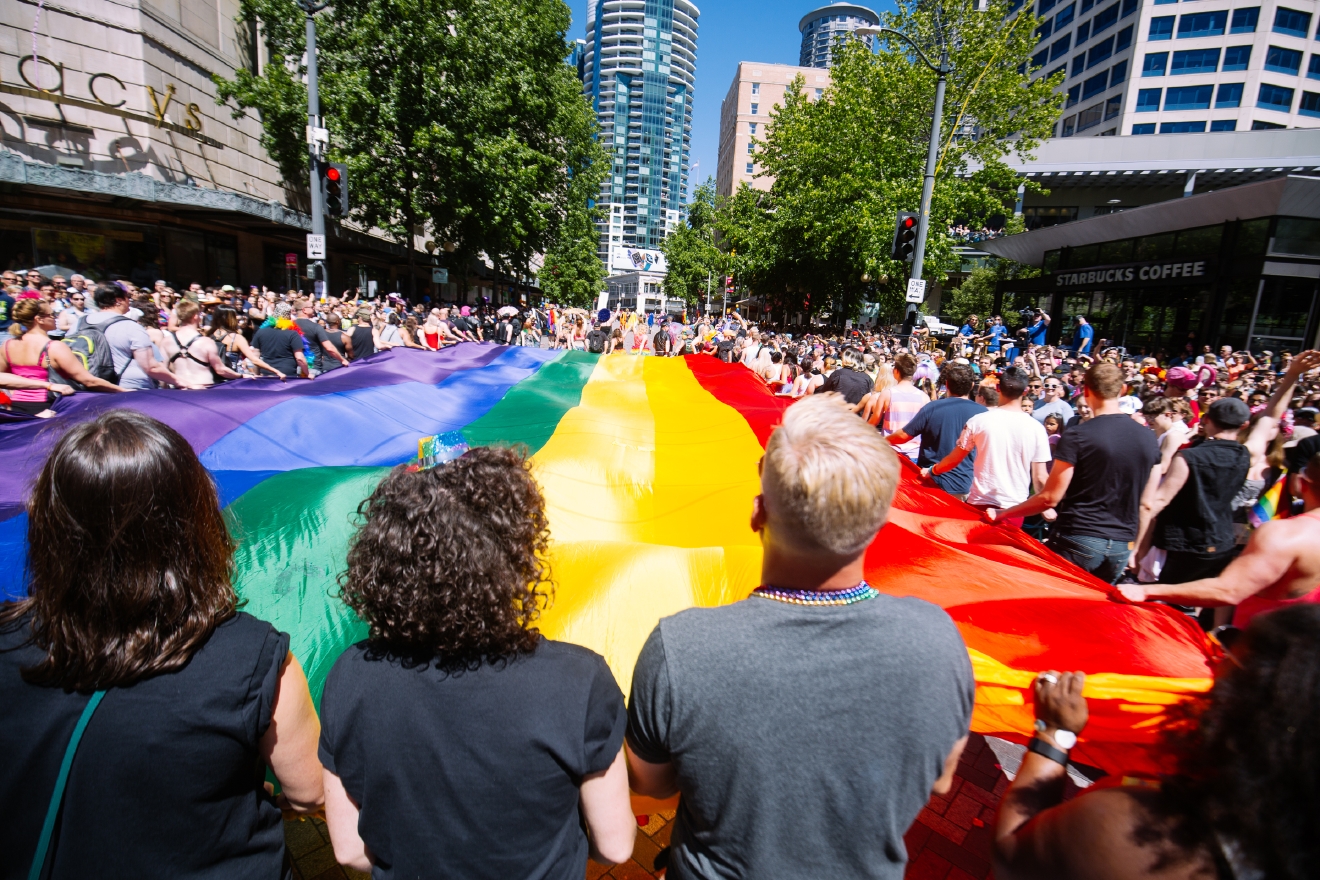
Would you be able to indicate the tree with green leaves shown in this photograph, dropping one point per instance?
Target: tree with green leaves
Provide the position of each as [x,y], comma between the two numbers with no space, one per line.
[572,273]
[458,117]
[845,164]
[695,263]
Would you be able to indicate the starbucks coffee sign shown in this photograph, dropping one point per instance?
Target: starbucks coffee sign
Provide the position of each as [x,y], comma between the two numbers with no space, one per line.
[1153,272]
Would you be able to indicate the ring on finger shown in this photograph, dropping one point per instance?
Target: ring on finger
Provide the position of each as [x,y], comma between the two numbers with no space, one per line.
[1048,678]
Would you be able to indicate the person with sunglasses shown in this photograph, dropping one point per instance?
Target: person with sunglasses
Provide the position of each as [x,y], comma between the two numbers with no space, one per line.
[1052,402]
[67,321]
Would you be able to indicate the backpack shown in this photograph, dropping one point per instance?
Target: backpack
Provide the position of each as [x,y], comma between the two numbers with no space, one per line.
[90,346]
[596,342]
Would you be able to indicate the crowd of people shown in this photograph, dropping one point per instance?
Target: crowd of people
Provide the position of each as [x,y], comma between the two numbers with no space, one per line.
[802,728]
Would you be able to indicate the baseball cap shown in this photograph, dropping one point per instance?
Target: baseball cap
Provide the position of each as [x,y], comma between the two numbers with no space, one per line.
[1306,413]
[1228,412]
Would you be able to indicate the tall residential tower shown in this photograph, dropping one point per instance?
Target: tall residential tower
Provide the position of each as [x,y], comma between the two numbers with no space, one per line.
[639,67]
[821,27]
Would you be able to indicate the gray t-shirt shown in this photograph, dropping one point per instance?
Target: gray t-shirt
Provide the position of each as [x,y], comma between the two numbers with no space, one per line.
[125,337]
[806,739]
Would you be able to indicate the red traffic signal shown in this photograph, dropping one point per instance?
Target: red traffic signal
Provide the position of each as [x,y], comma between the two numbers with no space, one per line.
[332,173]
[334,187]
[905,236]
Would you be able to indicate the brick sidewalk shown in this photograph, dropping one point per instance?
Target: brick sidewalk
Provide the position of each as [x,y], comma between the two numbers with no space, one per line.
[949,841]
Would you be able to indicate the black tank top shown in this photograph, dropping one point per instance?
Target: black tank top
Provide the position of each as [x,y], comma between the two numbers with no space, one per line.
[364,344]
[1199,519]
[167,781]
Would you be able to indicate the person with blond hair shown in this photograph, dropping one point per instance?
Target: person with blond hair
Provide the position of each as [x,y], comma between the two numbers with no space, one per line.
[804,727]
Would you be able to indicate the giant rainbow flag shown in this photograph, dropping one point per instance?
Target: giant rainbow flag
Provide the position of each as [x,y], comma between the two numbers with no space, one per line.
[649,469]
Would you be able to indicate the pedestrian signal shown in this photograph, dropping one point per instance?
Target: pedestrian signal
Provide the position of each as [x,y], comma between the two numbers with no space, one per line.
[905,236]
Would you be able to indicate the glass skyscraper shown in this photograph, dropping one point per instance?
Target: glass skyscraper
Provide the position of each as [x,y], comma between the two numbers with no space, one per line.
[821,27]
[638,67]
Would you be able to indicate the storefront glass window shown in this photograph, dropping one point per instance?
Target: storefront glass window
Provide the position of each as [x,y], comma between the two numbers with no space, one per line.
[1297,236]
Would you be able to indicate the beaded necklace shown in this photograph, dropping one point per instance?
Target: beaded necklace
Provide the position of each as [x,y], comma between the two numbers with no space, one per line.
[859,593]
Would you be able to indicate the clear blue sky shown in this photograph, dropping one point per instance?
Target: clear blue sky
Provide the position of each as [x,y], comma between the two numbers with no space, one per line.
[730,31]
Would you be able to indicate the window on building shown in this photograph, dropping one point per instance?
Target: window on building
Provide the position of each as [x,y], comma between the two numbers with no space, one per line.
[751,128]
[1261,125]
[751,149]
[1083,33]
[1283,60]
[1313,68]
[1148,100]
[1229,95]
[756,88]
[755,108]
[1182,127]
[1040,59]
[1104,19]
[1113,107]
[1061,47]
[1100,52]
[1165,2]
[1074,95]
[1188,98]
[1155,63]
[1161,28]
[1245,20]
[1069,126]
[1292,22]
[1202,24]
[820,93]
[1078,64]
[1223,125]
[1310,104]
[1124,38]
[750,168]
[1143,128]
[1065,16]
[1095,85]
[1117,73]
[1129,7]
[1237,57]
[1045,6]
[1091,116]
[1272,97]
[1046,28]
[1062,68]
[1086,6]
[1194,61]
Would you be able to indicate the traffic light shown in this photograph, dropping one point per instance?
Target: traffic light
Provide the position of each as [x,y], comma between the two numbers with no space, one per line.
[334,186]
[905,236]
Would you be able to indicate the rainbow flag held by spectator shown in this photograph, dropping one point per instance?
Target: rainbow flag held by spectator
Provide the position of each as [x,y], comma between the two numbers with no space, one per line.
[1267,506]
[649,468]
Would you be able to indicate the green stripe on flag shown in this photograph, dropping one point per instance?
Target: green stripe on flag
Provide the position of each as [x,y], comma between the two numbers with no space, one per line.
[531,410]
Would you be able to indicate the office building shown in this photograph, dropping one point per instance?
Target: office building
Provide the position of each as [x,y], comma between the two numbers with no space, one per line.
[1140,68]
[820,28]
[756,90]
[119,163]
[639,67]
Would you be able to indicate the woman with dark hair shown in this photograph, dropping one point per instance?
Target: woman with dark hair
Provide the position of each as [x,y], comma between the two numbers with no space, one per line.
[457,741]
[1243,804]
[233,345]
[130,664]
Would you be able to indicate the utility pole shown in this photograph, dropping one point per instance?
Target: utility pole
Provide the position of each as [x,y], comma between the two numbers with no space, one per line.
[317,142]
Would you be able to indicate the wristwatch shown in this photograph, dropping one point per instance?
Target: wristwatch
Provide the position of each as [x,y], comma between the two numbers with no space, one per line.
[1044,749]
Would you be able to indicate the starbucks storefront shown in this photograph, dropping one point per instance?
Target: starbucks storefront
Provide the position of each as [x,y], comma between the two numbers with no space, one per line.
[1238,267]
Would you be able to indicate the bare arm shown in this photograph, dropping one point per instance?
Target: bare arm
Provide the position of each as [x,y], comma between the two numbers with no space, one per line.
[154,368]
[949,462]
[302,363]
[252,355]
[289,744]
[1259,437]
[216,363]
[68,365]
[1055,487]
[334,352]
[898,438]
[341,820]
[1263,563]
[657,781]
[1156,497]
[1040,472]
[607,810]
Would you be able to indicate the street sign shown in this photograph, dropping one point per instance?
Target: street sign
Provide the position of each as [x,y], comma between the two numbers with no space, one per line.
[916,291]
[291,260]
[440,276]
[315,247]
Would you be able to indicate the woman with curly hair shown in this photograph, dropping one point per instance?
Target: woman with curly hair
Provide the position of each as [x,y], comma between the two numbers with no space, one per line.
[1243,804]
[457,741]
[130,667]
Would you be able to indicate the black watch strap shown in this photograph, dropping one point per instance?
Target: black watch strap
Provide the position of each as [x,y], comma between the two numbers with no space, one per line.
[1044,749]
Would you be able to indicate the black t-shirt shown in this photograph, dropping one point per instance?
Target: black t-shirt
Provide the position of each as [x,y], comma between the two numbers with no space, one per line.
[1112,457]
[848,382]
[724,350]
[278,348]
[1300,454]
[167,780]
[940,424]
[315,334]
[472,775]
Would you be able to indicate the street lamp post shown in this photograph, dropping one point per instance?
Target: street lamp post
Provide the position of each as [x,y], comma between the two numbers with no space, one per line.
[942,71]
[315,138]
